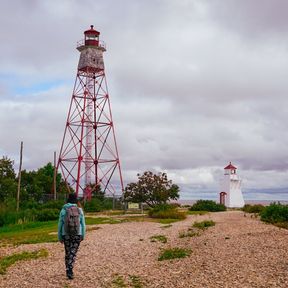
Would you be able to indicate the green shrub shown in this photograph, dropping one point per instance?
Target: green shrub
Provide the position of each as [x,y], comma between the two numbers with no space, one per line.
[204,224]
[8,216]
[32,204]
[47,215]
[162,207]
[275,213]
[207,205]
[94,205]
[253,208]
[174,253]
[166,212]
[58,204]
[97,205]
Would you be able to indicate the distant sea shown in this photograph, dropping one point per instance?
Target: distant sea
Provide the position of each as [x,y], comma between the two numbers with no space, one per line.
[252,202]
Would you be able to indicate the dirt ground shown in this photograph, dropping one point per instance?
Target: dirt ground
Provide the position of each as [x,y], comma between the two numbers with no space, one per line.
[239,251]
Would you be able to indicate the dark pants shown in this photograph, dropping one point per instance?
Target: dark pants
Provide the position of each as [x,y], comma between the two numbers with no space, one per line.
[71,244]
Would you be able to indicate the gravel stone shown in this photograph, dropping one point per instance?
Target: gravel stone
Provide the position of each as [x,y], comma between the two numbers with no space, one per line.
[238,252]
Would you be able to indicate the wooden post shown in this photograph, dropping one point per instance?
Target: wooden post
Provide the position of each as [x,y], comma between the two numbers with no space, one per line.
[54,178]
[19,176]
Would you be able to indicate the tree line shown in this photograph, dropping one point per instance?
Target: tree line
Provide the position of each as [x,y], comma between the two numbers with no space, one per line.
[35,185]
[151,189]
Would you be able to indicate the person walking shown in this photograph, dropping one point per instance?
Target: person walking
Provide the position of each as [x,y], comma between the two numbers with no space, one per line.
[71,231]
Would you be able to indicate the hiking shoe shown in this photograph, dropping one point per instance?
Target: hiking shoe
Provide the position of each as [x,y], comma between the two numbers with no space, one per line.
[70,275]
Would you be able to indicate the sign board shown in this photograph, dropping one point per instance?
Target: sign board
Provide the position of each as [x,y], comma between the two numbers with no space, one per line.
[132,205]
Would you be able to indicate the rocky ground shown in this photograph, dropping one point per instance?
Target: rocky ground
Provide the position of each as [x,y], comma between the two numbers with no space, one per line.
[239,251]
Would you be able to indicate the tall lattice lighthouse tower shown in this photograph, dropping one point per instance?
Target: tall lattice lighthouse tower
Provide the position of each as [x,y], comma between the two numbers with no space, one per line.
[89,153]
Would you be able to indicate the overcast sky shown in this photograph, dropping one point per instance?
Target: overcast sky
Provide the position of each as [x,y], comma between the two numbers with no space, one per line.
[193,85]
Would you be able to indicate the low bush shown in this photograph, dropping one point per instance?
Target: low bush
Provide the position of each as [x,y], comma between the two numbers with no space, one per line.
[253,208]
[166,212]
[47,214]
[275,213]
[58,204]
[97,205]
[207,205]
[8,216]
[11,217]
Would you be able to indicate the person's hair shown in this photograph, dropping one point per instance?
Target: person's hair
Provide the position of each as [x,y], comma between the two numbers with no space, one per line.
[72,198]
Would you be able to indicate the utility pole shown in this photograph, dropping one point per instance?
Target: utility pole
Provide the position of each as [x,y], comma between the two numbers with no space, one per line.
[54,177]
[19,176]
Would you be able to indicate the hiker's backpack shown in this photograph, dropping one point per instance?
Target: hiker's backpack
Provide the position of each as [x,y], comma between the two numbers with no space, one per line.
[72,220]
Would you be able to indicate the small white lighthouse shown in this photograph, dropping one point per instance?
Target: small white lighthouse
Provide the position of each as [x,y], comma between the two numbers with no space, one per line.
[231,195]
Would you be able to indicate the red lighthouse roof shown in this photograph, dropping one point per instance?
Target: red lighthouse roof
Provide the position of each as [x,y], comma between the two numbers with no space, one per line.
[92,31]
[230,166]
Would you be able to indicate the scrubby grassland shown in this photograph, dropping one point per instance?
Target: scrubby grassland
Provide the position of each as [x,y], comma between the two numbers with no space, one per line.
[41,232]
[275,213]
[28,233]
[123,255]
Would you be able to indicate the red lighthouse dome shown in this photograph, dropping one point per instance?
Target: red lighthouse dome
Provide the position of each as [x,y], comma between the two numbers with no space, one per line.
[91,37]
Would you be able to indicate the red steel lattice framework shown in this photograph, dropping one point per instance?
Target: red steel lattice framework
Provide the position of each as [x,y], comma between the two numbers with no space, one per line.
[89,153]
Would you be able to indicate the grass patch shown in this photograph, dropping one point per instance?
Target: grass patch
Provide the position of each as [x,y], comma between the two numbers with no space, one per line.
[166,226]
[174,253]
[167,221]
[29,233]
[188,233]
[118,282]
[204,224]
[8,261]
[159,238]
[167,214]
[41,232]
[136,281]
[112,212]
[102,220]
[189,212]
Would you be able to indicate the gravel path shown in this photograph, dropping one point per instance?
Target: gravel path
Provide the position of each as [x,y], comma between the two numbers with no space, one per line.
[237,252]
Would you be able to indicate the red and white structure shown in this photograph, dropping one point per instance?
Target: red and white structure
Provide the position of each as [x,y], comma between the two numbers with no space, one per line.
[231,194]
[89,153]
